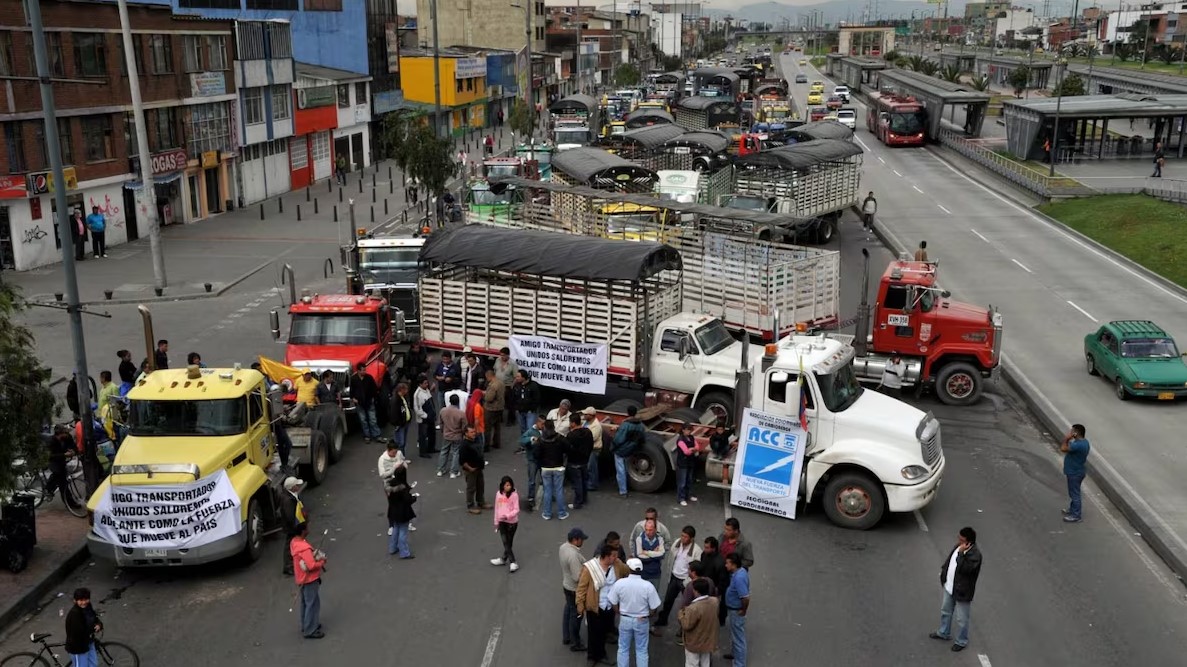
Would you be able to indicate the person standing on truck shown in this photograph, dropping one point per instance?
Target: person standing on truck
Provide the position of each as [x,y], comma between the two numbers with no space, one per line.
[292,516]
[1075,449]
[580,441]
[308,565]
[306,387]
[494,399]
[921,252]
[892,376]
[527,399]
[426,418]
[363,391]
[328,393]
[627,439]
[81,625]
[869,207]
[453,429]
[448,375]
[506,369]
[958,576]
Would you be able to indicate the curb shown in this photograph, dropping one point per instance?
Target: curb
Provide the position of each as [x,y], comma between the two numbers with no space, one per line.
[1103,474]
[192,296]
[31,601]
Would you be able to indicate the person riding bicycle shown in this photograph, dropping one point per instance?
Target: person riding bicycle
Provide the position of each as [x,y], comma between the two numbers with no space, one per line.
[61,446]
[81,625]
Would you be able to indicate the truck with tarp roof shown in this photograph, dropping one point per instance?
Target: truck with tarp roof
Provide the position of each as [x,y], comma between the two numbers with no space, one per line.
[576,121]
[705,113]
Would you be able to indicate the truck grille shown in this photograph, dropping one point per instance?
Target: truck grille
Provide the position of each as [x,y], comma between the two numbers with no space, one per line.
[931,449]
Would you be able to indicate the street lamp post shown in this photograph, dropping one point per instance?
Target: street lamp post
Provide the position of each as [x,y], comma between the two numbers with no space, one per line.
[436,72]
[1059,101]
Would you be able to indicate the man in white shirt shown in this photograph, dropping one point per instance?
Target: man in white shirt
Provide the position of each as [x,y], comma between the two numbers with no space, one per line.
[422,407]
[635,600]
[560,417]
[892,376]
[685,551]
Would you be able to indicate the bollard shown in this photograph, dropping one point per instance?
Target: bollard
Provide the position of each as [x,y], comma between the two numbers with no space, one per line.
[58,297]
[298,213]
[403,179]
[372,179]
[360,183]
[261,211]
[391,187]
[389,172]
[373,195]
[159,290]
[280,203]
[209,287]
[335,213]
[330,185]
[372,215]
[107,294]
[307,195]
[385,213]
[404,215]
[315,207]
[339,195]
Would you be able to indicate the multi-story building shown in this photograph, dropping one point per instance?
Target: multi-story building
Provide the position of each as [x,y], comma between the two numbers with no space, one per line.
[496,24]
[502,85]
[463,86]
[332,118]
[183,68]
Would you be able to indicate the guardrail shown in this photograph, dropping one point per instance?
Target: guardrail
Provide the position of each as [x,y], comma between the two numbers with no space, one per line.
[1012,170]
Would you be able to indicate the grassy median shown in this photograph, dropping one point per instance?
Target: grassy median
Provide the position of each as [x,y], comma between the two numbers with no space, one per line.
[1149,231]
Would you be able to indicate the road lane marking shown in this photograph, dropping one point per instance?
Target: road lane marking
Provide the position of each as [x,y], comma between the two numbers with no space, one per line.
[491,645]
[1085,313]
[896,173]
[1029,271]
[880,159]
[867,148]
[921,522]
[984,660]
[916,187]
[979,235]
[1021,209]
[945,210]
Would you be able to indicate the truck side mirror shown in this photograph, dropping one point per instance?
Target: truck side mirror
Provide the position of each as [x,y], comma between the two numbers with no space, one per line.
[683,347]
[399,328]
[274,319]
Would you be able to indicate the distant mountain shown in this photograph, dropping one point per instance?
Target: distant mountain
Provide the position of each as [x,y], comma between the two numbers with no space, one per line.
[833,10]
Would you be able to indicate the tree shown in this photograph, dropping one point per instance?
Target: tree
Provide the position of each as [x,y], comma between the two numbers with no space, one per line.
[1071,85]
[1167,53]
[672,64]
[627,74]
[394,134]
[891,56]
[916,62]
[980,82]
[1019,78]
[928,68]
[520,119]
[27,406]
[1123,51]
[951,73]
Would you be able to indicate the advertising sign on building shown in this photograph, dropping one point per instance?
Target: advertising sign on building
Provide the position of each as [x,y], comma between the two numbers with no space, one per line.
[317,96]
[392,36]
[165,162]
[208,84]
[42,182]
[169,516]
[770,463]
[469,68]
[13,187]
[579,367]
[387,100]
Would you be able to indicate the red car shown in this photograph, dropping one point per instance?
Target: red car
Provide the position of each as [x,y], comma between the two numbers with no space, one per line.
[817,113]
[834,102]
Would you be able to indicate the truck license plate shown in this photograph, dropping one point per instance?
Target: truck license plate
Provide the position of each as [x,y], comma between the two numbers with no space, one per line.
[898,320]
[154,553]
[1166,395]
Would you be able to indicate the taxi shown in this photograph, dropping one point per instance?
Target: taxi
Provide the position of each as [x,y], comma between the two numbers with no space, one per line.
[815,97]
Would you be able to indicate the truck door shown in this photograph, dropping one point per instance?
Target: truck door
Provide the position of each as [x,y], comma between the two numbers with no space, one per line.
[259,429]
[781,396]
[676,363]
[899,326]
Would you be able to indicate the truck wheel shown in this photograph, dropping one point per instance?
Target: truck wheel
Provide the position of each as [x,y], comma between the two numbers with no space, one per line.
[718,402]
[255,533]
[622,404]
[958,383]
[315,471]
[690,415]
[854,501]
[647,469]
[825,231]
[1091,364]
[337,437]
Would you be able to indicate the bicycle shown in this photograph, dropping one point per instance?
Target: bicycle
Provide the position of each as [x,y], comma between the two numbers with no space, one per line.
[110,653]
[36,484]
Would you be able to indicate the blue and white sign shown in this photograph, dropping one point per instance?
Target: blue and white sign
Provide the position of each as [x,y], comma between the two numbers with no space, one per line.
[770,463]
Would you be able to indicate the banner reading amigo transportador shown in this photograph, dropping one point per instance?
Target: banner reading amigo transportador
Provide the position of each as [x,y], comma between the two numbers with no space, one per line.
[579,367]
[770,462]
[169,516]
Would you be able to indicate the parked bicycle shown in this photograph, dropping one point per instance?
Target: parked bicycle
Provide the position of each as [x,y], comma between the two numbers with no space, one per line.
[36,484]
[110,653]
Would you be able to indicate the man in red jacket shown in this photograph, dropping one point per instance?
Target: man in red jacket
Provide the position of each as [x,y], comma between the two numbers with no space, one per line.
[308,564]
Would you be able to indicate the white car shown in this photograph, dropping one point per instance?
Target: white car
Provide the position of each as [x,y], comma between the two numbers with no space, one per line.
[842,92]
[848,118]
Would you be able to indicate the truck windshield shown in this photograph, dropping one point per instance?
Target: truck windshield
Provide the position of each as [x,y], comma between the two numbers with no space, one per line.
[571,136]
[748,203]
[387,266]
[839,390]
[224,416]
[714,337]
[480,197]
[333,329]
[1149,348]
[500,170]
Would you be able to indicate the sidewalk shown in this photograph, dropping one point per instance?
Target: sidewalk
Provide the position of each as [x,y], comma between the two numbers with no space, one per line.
[207,258]
[61,547]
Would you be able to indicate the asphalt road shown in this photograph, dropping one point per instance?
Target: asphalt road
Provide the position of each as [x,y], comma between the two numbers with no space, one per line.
[1053,289]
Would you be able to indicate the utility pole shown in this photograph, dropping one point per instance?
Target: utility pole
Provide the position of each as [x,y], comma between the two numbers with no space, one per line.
[91,468]
[437,71]
[146,175]
[577,45]
[1059,101]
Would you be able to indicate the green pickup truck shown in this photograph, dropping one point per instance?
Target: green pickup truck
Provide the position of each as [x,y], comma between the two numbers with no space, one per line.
[1139,358]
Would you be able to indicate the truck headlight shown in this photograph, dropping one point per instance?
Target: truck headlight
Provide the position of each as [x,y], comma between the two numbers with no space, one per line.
[912,473]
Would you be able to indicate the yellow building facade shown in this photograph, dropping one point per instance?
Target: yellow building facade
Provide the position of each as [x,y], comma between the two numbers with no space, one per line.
[463,87]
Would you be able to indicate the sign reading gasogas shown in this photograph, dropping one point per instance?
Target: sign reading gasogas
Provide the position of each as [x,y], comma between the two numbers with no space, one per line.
[579,367]
[770,463]
[169,516]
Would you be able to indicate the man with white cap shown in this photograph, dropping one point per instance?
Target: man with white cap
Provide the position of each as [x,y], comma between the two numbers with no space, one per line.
[292,515]
[635,600]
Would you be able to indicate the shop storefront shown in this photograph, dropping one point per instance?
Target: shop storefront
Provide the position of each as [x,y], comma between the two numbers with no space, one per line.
[206,190]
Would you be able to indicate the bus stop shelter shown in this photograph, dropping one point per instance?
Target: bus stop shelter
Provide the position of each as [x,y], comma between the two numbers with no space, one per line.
[939,96]
[1084,125]
[858,72]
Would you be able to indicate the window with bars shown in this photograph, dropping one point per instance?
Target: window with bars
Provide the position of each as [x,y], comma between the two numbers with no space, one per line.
[251,40]
[280,42]
[15,142]
[209,127]
[160,48]
[360,92]
[97,137]
[192,53]
[344,96]
[90,54]
[281,103]
[217,46]
[137,52]
[53,49]
[253,106]
[298,153]
[64,143]
[209,4]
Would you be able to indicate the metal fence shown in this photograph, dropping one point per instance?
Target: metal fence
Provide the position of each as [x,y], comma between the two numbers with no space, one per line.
[1013,170]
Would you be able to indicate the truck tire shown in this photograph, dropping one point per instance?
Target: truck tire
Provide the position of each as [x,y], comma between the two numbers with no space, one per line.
[337,438]
[255,533]
[825,231]
[690,415]
[853,500]
[647,469]
[622,404]
[721,403]
[314,472]
[959,383]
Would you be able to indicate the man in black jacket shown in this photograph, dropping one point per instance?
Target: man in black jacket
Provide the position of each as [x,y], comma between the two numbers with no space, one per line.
[550,456]
[580,448]
[526,393]
[363,392]
[958,576]
[81,625]
[472,462]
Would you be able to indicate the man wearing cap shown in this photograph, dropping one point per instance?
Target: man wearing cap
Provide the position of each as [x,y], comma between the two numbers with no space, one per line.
[572,561]
[306,386]
[292,515]
[635,600]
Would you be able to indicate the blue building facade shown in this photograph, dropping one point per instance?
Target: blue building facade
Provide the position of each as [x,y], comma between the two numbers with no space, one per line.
[502,85]
[330,33]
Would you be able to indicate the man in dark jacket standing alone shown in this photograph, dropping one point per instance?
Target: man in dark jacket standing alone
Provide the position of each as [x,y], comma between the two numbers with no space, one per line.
[580,447]
[527,399]
[473,463]
[959,579]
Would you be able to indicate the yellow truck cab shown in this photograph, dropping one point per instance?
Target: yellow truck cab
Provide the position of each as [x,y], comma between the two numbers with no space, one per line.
[634,222]
[190,483]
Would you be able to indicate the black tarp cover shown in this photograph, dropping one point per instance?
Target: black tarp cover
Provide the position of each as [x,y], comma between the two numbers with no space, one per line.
[584,163]
[802,155]
[822,129]
[650,136]
[648,115]
[555,254]
[576,101]
[705,141]
[708,104]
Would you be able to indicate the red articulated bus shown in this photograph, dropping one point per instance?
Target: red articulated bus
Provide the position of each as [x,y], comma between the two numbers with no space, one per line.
[897,120]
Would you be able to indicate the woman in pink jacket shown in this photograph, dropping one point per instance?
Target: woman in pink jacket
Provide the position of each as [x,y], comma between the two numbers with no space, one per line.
[506,521]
